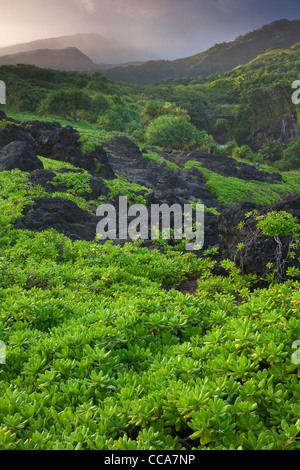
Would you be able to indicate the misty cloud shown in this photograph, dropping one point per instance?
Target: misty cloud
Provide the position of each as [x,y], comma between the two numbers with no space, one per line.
[89,5]
[168,28]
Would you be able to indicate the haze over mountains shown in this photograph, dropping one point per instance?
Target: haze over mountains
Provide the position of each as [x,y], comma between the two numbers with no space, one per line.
[87,52]
[69,58]
[219,58]
[98,48]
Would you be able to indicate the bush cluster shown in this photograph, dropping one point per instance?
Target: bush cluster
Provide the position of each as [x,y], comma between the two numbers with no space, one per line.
[103,350]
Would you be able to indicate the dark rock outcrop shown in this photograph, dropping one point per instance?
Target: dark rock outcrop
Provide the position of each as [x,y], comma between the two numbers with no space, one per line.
[19,155]
[284,130]
[51,140]
[97,162]
[123,147]
[225,166]
[168,185]
[14,133]
[59,214]
[45,178]
[259,249]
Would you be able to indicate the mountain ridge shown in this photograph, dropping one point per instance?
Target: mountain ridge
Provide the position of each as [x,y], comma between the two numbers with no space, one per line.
[98,48]
[219,58]
[69,58]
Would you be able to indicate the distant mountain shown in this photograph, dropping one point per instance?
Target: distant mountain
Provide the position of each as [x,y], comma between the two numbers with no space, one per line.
[125,64]
[61,59]
[219,58]
[96,47]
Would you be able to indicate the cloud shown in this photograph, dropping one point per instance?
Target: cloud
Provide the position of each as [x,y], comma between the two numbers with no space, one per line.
[226,7]
[222,4]
[140,9]
[89,5]
[167,28]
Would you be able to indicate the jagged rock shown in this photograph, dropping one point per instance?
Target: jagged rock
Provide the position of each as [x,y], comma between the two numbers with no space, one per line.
[59,214]
[45,178]
[41,129]
[14,133]
[188,185]
[62,144]
[123,147]
[97,162]
[19,155]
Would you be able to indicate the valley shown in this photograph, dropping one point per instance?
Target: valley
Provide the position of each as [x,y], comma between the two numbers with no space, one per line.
[130,345]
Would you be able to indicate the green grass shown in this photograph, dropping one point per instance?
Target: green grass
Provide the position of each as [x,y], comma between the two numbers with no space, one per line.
[154,157]
[231,190]
[90,134]
[122,187]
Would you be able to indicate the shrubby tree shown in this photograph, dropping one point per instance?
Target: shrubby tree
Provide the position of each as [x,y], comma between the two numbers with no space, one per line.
[271,150]
[241,152]
[119,115]
[206,142]
[172,131]
[279,225]
[21,96]
[222,130]
[98,82]
[156,108]
[195,102]
[100,105]
[69,103]
[291,156]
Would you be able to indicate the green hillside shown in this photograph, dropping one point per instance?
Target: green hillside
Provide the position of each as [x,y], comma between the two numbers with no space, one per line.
[219,58]
[141,344]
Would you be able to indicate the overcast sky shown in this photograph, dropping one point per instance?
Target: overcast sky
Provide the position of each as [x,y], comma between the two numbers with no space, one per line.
[168,28]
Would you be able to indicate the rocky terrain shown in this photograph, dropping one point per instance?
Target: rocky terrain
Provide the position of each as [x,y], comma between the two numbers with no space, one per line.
[23,144]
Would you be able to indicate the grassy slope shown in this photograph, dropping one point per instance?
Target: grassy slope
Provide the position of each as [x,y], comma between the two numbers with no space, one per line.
[231,190]
[101,354]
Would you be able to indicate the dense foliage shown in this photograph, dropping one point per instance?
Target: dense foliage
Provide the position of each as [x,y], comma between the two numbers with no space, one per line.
[172,131]
[253,98]
[99,356]
[104,352]
[103,349]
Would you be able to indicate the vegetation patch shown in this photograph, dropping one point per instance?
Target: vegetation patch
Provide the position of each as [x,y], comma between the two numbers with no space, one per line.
[231,190]
[112,347]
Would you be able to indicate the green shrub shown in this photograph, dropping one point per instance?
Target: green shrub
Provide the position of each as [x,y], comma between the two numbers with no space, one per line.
[154,109]
[119,115]
[278,224]
[291,156]
[206,142]
[241,152]
[271,150]
[99,106]
[69,103]
[172,131]
[21,96]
